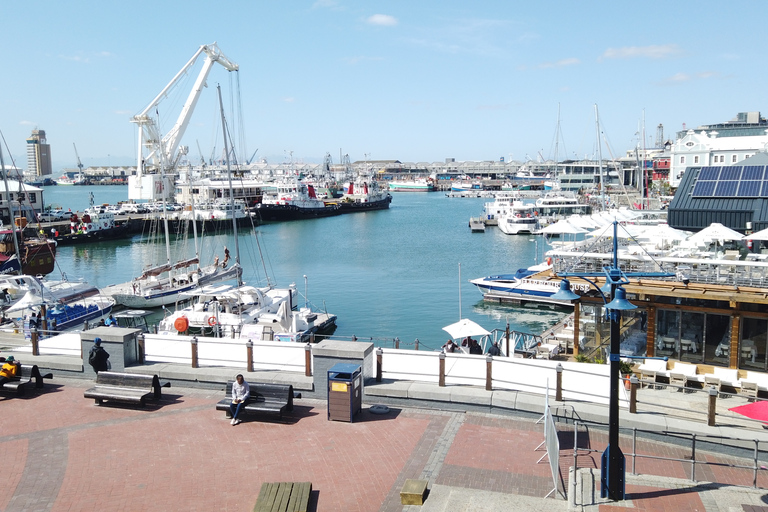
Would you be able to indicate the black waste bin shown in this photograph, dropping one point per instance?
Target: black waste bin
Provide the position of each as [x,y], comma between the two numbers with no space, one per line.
[345,391]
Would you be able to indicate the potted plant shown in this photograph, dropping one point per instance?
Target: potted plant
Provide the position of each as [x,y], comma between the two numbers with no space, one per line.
[626,372]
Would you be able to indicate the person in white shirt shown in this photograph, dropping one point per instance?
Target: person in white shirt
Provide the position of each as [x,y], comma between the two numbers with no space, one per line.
[241,392]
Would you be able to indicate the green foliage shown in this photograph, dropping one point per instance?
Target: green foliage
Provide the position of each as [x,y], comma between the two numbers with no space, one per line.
[625,368]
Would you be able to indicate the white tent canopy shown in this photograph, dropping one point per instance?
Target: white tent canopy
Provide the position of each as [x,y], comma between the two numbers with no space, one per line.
[562,227]
[465,327]
[759,235]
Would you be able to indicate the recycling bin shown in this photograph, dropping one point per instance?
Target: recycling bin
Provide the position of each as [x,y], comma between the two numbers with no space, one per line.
[345,391]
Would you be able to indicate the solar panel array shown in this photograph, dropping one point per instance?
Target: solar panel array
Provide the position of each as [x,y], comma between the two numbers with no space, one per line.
[732,181]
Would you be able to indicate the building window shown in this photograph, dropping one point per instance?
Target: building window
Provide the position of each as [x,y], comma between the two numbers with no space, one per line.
[696,159]
[722,158]
[733,158]
[682,159]
[32,197]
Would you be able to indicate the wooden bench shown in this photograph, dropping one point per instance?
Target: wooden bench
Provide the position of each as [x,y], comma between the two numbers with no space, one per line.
[27,374]
[283,497]
[265,398]
[130,388]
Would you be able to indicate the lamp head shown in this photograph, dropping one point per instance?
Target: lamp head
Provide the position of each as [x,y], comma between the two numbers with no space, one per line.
[565,293]
[606,288]
[620,302]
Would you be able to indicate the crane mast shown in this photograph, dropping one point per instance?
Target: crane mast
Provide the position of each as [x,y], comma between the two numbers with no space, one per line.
[157,153]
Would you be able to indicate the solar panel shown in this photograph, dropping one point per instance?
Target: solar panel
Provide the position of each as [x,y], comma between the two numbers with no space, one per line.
[753,172]
[726,188]
[731,173]
[704,188]
[750,188]
[709,173]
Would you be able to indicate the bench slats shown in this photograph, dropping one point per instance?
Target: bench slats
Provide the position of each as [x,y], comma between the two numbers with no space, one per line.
[265,398]
[125,387]
[283,497]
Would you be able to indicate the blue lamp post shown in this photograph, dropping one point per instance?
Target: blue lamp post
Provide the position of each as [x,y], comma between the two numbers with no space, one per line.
[613,464]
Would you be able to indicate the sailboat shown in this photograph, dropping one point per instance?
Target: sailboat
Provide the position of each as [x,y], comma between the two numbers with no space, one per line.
[161,284]
[246,311]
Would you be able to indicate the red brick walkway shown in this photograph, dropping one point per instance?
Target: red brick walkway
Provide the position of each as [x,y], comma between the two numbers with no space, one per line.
[181,454]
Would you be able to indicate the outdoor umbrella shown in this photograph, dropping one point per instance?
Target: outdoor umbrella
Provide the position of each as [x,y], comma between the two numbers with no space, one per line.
[715,232]
[755,410]
[465,327]
[562,227]
[760,235]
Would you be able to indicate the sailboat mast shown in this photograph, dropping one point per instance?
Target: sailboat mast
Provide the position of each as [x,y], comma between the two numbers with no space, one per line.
[229,178]
[10,209]
[600,159]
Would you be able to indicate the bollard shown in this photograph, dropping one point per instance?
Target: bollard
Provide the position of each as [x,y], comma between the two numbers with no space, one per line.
[559,388]
[142,355]
[712,404]
[85,325]
[633,385]
[308,360]
[249,356]
[441,377]
[193,341]
[311,337]
[488,376]
[379,353]
[397,342]
[34,336]
[417,343]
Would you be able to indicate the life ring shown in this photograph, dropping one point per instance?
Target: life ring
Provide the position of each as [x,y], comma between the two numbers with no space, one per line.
[181,324]
[212,321]
[549,260]
[518,215]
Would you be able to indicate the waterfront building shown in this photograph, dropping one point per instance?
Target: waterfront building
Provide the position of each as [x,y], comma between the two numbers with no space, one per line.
[39,154]
[732,195]
[718,144]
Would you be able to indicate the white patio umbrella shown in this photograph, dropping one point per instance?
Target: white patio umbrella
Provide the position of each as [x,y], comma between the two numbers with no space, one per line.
[759,235]
[562,227]
[465,327]
[715,232]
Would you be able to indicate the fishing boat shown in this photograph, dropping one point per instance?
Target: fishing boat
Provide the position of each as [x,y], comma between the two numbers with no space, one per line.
[294,200]
[412,185]
[36,256]
[93,226]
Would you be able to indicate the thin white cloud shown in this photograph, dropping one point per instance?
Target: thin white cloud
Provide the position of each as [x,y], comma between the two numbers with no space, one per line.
[679,78]
[648,52]
[571,61]
[382,20]
[27,123]
[289,99]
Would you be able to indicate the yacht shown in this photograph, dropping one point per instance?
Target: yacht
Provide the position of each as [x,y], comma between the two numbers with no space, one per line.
[520,218]
[522,286]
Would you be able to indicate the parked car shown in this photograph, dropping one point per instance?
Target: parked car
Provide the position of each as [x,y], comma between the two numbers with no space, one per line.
[53,216]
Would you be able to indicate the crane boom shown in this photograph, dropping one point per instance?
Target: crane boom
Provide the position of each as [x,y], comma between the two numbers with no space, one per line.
[79,163]
[156,151]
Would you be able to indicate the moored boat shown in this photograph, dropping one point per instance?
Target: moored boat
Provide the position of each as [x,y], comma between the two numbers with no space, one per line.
[413,185]
[522,287]
[295,200]
[364,194]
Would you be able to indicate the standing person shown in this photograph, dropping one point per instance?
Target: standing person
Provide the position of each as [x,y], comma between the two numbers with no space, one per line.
[241,392]
[449,346]
[98,358]
[9,370]
[494,351]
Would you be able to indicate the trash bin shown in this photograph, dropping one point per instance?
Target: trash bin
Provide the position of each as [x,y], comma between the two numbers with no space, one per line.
[345,391]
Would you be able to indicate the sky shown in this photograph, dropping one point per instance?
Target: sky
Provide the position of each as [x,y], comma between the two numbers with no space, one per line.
[415,81]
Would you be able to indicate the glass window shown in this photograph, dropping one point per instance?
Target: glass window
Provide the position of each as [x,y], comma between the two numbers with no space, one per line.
[753,343]
[696,159]
[634,326]
[733,158]
[717,339]
[667,333]
[682,159]
[33,197]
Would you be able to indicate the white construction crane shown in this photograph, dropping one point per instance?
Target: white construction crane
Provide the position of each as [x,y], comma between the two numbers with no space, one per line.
[156,152]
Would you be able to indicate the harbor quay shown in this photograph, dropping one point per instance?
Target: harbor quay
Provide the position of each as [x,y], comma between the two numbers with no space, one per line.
[478,449]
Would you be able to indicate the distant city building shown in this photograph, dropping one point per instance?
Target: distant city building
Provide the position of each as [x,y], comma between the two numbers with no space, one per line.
[39,154]
[718,144]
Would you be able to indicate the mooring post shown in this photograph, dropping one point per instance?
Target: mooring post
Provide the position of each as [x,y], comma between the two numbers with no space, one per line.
[559,388]
[308,360]
[712,406]
[142,353]
[488,373]
[249,356]
[35,345]
[193,342]
[633,385]
[379,353]
[441,377]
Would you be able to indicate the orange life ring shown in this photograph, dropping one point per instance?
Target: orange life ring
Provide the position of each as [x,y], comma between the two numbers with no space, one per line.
[181,324]
[549,260]
[212,321]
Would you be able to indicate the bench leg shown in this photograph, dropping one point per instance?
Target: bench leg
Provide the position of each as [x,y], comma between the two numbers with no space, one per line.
[98,401]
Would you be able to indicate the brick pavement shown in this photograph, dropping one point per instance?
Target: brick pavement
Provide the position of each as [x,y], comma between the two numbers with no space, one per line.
[71,455]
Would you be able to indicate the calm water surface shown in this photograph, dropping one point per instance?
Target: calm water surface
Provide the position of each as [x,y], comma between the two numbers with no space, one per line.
[400,272]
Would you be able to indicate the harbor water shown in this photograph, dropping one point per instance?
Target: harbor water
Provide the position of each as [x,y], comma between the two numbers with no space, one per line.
[401,272]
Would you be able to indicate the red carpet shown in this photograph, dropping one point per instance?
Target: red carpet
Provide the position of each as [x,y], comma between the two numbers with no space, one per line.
[755,410]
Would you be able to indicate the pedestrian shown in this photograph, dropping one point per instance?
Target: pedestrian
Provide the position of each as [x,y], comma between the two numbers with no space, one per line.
[33,321]
[449,346]
[9,371]
[98,358]
[494,351]
[241,392]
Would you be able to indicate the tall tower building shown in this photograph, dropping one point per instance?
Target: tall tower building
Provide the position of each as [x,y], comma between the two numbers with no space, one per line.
[39,154]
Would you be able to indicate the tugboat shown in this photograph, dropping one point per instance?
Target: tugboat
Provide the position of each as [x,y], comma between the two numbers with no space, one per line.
[93,226]
[295,200]
[364,194]
[38,255]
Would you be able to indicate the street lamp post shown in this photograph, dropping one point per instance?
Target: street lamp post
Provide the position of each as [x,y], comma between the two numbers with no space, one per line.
[613,463]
